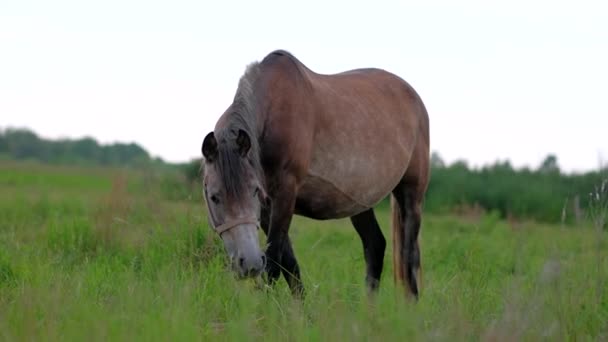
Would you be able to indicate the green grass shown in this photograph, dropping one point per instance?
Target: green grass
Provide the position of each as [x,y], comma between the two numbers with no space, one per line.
[106,254]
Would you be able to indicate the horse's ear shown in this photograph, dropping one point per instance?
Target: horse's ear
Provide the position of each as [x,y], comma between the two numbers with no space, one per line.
[209,147]
[243,142]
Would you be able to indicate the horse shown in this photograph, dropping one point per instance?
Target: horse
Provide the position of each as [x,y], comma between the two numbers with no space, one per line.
[322,146]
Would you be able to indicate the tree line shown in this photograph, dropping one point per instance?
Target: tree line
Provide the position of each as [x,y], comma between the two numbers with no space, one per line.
[544,193]
[23,144]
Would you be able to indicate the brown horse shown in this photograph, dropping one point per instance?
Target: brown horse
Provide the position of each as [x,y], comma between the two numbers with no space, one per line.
[321,146]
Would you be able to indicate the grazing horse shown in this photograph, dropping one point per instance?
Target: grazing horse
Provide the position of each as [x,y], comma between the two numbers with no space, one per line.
[322,146]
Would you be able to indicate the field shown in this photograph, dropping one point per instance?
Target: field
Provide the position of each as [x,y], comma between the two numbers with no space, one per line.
[109,254]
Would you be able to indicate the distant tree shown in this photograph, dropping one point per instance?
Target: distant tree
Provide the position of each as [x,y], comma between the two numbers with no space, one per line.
[3,144]
[460,165]
[436,161]
[86,148]
[501,166]
[23,144]
[193,170]
[549,165]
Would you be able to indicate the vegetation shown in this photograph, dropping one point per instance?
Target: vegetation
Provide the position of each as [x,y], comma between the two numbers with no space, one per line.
[544,194]
[92,253]
[22,144]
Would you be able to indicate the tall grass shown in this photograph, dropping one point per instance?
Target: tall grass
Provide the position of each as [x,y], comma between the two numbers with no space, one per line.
[133,261]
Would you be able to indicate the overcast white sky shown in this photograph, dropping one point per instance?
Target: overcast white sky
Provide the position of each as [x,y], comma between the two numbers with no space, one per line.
[515,80]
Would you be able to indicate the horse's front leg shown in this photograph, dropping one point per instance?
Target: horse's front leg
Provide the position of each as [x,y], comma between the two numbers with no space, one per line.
[279,253]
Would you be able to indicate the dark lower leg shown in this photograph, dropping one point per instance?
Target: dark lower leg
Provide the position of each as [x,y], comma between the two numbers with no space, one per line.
[411,217]
[291,270]
[274,254]
[412,252]
[374,246]
[279,253]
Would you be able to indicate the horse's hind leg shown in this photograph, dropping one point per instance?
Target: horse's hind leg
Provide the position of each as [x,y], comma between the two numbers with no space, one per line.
[406,226]
[374,245]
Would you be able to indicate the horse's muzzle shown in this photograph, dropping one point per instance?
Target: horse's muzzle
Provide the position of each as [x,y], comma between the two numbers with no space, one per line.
[249,266]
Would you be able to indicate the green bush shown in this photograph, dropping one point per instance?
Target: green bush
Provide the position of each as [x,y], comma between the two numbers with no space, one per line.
[544,194]
[23,144]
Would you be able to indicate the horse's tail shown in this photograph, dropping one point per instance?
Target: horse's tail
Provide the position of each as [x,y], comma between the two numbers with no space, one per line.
[397,224]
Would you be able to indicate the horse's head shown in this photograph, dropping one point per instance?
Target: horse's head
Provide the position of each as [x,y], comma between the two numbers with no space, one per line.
[234,195]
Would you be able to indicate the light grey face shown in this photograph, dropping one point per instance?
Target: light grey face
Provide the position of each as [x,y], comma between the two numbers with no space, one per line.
[235,206]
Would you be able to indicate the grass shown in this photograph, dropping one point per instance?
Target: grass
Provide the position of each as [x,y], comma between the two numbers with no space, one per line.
[106,254]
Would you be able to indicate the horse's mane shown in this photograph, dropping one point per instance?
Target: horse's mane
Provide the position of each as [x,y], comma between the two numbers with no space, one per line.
[242,115]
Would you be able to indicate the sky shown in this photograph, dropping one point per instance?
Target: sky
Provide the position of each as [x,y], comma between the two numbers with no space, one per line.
[513,80]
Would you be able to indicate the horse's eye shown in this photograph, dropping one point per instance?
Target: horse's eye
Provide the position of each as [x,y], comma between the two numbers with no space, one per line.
[256,192]
[215,199]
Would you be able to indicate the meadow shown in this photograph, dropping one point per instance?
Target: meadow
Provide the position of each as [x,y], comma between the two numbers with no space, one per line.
[121,254]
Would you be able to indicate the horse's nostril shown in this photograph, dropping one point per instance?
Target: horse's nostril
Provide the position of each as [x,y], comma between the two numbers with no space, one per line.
[241,262]
[263,259]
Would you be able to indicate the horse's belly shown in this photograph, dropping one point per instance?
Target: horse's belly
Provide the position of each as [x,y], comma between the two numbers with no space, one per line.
[320,199]
[343,187]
